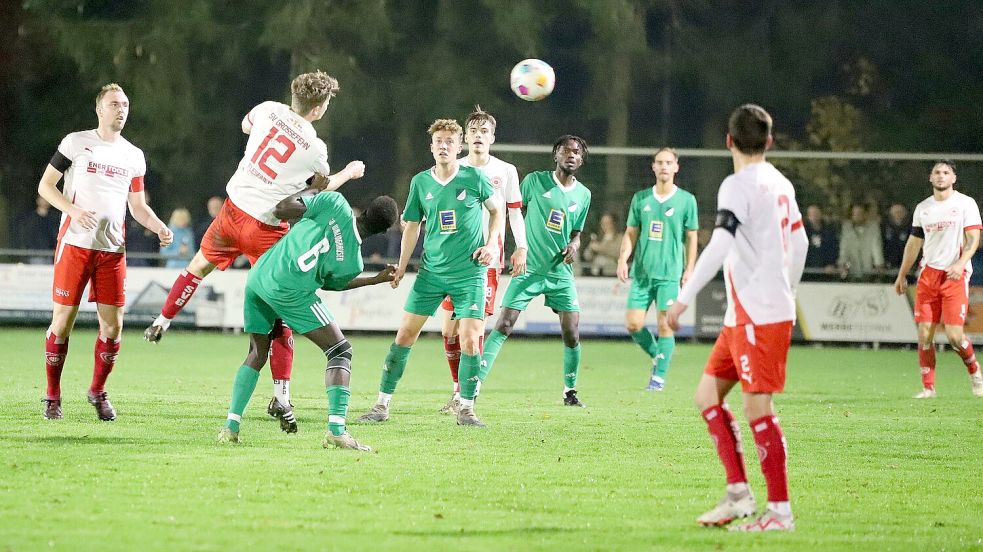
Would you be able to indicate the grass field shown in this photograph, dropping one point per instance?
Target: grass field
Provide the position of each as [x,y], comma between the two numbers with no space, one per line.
[870,468]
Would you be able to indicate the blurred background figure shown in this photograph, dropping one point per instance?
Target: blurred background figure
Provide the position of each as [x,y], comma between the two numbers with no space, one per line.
[861,251]
[37,229]
[603,249]
[183,247]
[894,234]
[213,206]
[824,246]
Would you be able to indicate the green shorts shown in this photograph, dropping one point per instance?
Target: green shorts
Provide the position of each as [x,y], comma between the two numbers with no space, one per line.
[429,289]
[560,292]
[303,311]
[645,292]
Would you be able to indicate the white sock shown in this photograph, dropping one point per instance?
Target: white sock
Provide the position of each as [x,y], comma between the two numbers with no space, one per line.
[457,396]
[281,390]
[477,388]
[467,403]
[384,399]
[163,322]
[783,508]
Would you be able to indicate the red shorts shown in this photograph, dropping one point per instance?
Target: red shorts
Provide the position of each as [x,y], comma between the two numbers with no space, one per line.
[76,266]
[491,291]
[234,233]
[756,355]
[939,299]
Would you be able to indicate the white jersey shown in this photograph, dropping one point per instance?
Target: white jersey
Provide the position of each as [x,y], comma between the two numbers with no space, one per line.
[283,151]
[99,177]
[504,179]
[944,223]
[756,272]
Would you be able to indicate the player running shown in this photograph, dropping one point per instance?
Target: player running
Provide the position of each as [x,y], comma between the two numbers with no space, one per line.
[450,197]
[556,209]
[321,250]
[762,245]
[668,216]
[282,153]
[103,174]
[479,135]
[948,225]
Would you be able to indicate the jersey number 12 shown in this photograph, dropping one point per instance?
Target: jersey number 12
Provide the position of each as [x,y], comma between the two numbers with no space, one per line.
[263,152]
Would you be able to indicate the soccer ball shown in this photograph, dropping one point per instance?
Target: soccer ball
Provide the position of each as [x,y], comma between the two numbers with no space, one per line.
[532,79]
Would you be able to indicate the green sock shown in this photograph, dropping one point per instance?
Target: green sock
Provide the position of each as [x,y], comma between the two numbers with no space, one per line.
[571,365]
[646,341]
[492,346]
[467,375]
[242,390]
[666,347]
[337,408]
[393,368]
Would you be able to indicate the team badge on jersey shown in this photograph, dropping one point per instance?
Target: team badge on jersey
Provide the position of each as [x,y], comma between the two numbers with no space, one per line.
[496,182]
[572,207]
[670,211]
[462,194]
[554,221]
[448,221]
[655,230]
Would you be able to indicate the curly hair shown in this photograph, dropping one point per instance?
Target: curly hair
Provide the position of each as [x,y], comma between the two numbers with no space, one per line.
[568,137]
[310,90]
[445,124]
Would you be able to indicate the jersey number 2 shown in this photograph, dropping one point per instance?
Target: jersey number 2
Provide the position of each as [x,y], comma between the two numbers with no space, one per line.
[263,152]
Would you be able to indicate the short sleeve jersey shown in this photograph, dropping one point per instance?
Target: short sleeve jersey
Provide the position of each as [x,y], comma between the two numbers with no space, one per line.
[552,213]
[282,152]
[452,212]
[756,271]
[660,252]
[504,179]
[321,250]
[99,175]
[944,223]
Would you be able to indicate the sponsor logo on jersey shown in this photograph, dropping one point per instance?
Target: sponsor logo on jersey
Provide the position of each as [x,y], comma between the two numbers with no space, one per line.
[646,209]
[448,221]
[548,195]
[429,196]
[670,211]
[496,182]
[473,307]
[554,221]
[655,230]
[110,171]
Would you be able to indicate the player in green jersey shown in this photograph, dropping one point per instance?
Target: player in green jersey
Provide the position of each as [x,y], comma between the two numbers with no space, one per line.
[661,232]
[450,197]
[556,205]
[321,251]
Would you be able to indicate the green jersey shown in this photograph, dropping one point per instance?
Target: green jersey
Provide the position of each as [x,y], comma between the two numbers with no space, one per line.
[454,227]
[552,213]
[660,251]
[321,250]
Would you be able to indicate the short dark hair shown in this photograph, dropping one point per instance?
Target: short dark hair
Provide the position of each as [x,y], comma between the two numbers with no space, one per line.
[952,166]
[380,215]
[566,138]
[749,127]
[479,117]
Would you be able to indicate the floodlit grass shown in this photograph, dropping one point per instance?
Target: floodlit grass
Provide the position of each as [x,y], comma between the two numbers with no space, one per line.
[870,468]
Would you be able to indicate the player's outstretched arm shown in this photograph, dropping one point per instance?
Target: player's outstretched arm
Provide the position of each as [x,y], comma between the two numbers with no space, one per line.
[293,207]
[911,248]
[384,275]
[146,216]
[411,233]
[48,189]
[352,171]
[627,246]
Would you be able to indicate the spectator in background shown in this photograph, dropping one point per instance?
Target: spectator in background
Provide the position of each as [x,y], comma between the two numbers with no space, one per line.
[140,241]
[38,229]
[894,234]
[214,205]
[603,250]
[395,239]
[861,251]
[183,247]
[824,247]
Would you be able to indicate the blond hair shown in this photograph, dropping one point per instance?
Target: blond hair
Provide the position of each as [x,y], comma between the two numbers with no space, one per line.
[446,124]
[479,117]
[666,148]
[310,90]
[111,87]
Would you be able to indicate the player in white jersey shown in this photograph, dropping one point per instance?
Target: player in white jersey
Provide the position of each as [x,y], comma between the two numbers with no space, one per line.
[946,228]
[283,152]
[103,174]
[479,135]
[760,240]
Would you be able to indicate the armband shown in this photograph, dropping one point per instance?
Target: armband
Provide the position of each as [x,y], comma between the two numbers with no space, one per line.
[60,162]
[727,220]
[918,232]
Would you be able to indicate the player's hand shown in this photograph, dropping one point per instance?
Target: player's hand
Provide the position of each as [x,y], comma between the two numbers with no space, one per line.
[569,252]
[397,277]
[484,255]
[165,236]
[687,274]
[901,284]
[623,271]
[387,274]
[355,169]
[955,270]
[85,219]
[518,261]
[320,181]
[675,311]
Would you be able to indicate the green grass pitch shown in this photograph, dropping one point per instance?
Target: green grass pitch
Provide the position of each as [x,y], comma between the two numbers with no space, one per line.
[870,468]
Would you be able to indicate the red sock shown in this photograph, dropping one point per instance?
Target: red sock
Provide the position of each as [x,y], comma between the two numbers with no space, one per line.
[281,351]
[106,352]
[182,290]
[452,350]
[726,435]
[966,353]
[54,361]
[926,361]
[773,453]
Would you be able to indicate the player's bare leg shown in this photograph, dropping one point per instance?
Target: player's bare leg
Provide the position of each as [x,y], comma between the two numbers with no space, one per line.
[926,359]
[394,365]
[449,330]
[338,353]
[244,385]
[55,351]
[471,331]
[181,292]
[738,502]
[570,331]
[964,348]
